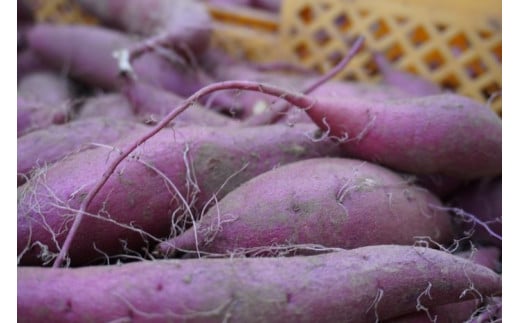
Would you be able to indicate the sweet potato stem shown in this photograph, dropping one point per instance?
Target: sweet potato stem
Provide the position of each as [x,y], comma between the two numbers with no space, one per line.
[294,98]
[281,107]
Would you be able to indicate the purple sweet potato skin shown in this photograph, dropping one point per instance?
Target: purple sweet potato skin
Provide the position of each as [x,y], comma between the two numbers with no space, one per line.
[448,313]
[334,287]
[43,99]
[28,62]
[45,87]
[441,185]
[109,105]
[333,202]
[87,54]
[425,135]
[186,23]
[46,146]
[152,103]
[32,115]
[220,159]
[67,46]
[483,199]
[459,311]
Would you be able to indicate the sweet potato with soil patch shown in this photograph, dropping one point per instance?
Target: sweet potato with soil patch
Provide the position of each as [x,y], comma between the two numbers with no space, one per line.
[445,134]
[340,203]
[168,180]
[361,285]
[392,133]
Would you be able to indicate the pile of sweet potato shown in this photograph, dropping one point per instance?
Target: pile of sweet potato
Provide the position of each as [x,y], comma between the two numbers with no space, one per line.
[282,197]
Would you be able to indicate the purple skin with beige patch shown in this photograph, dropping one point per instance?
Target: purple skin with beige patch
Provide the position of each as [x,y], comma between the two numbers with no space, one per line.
[331,202]
[152,189]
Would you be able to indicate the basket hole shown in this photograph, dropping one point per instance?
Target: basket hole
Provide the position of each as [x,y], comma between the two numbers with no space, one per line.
[351,77]
[64,7]
[441,27]
[459,44]
[342,22]
[302,50]
[394,52]
[485,34]
[434,60]
[334,58]
[475,68]
[293,31]
[401,20]
[490,89]
[411,69]
[497,52]
[379,29]
[450,82]
[419,36]
[317,68]
[322,37]
[306,14]
[370,67]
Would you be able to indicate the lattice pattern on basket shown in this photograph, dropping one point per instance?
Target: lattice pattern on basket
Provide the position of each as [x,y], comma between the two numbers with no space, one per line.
[459,53]
[60,11]
[245,33]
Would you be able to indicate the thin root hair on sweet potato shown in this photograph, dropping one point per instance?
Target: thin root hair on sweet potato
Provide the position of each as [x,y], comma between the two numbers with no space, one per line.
[336,207]
[368,284]
[178,171]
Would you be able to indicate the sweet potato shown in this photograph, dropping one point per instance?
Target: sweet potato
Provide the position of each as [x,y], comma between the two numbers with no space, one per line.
[399,134]
[168,180]
[424,135]
[459,311]
[28,62]
[479,206]
[361,285]
[441,185]
[109,105]
[44,98]
[44,147]
[184,25]
[152,104]
[341,203]
[32,115]
[87,54]
[46,88]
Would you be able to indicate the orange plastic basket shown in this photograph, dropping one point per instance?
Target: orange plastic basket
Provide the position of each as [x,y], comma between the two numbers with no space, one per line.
[457,44]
